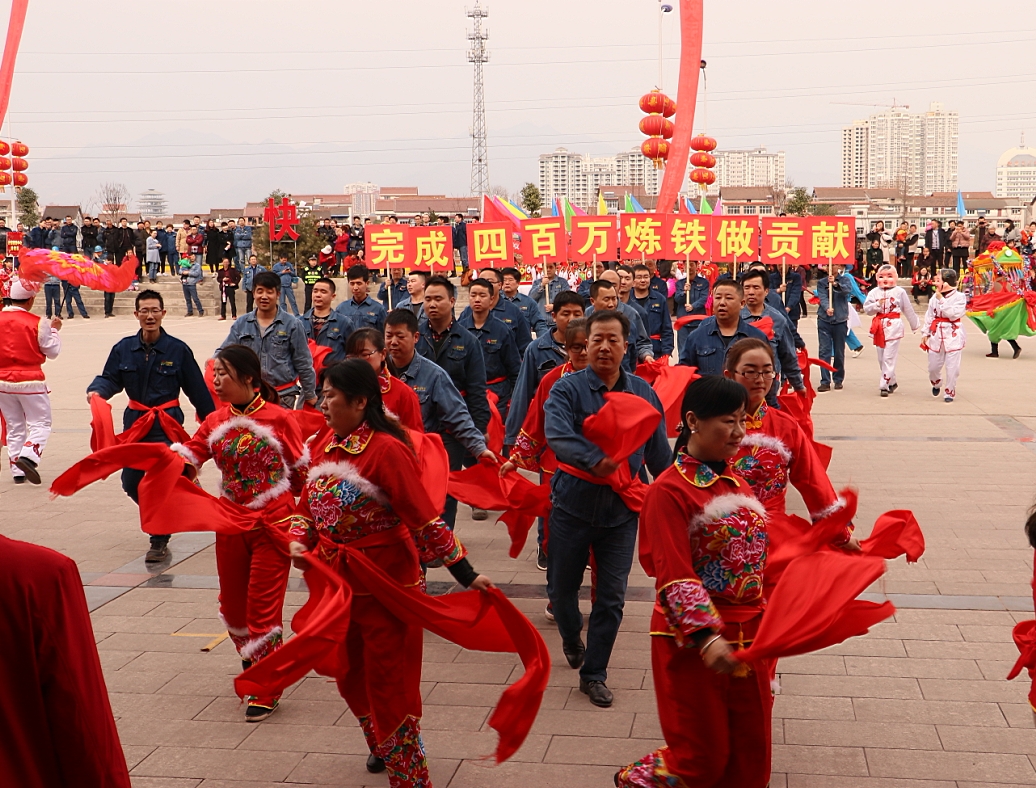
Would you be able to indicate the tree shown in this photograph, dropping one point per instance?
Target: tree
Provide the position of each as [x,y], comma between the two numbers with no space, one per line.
[798,202]
[114,200]
[823,209]
[28,207]
[499,191]
[532,200]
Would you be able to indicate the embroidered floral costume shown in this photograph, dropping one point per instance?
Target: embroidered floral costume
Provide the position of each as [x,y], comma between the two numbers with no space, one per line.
[401,401]
[362,491]
[531,451]
[703,537]
[258,450]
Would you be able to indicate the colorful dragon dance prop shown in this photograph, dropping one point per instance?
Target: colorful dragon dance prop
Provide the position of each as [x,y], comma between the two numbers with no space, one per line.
[1000,304]
[36,265]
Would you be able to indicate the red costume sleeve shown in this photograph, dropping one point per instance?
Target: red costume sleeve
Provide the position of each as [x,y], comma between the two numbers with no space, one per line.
[531,441]
[809,477]
[404,403]
[56,724]
[665,554]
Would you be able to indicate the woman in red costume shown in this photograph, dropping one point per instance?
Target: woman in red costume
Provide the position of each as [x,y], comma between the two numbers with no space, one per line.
[703,538]
[257,446]
[775,450]
[398,398]
[362,491]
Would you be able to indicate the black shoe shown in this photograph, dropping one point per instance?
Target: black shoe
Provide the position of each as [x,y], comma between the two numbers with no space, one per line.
[246,664]
[257,712]
[375,765]
[615,779]
[28,467]
[598,693]
[157,554]
[992,355]
[19,480]
[86,317]
[1017,352]
[838,386]
[574,653]
[935,391]
[479,514]
[823,387]
[541,560]
[893,387]
[884,392]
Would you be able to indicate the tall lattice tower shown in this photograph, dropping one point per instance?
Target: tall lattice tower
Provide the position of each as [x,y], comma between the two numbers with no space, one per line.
[479,55]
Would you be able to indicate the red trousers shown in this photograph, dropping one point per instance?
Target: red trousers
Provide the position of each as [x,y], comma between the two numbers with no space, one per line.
[716,727]
[253,576]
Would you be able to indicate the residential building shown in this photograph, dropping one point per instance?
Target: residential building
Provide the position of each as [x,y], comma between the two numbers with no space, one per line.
[364,197]
[1016,173]
[915,153]
[152,204]
[579,177]
[749,201]
[748,168]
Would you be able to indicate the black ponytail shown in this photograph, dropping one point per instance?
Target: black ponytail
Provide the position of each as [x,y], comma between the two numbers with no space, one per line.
[244,363]
[1030,527]
[707,397]
[355,378]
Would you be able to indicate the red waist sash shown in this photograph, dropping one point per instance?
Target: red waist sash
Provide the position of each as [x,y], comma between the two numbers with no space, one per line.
[104,436]
[631,490]
[878,327]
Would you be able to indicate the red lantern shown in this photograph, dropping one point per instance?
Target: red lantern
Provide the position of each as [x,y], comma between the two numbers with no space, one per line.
[5,179]
[703,143]
[4,148]
[703,177]
[19,165]
[5,163]
[659,103]
[19,149]
[702,159]
[20,179]
[656,149]
[657,126]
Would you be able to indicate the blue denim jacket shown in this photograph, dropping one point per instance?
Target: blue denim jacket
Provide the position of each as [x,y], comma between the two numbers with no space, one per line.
[442,408]
[248,274]
[334,335]
[533,313]
[841,290]
[704,347]
[540,358]
[461,356]
[512,317]
[366,313]
[282,350]
[572,399]
[557,286]
[499,353]
[286,272]
[699,296]
[153,377]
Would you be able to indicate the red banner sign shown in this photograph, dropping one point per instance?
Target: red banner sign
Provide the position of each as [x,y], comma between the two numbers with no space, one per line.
[544,240]
[15,240]
[734,240]
[808,240]
[489,244]
[428,248]
[687,237]
[283,219]
[640,236]
[593,238]
[385,245]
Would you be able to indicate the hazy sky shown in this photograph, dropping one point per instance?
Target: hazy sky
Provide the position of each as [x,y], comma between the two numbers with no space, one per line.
[220,102]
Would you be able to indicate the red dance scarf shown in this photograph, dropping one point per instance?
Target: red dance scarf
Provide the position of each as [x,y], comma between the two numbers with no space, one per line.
[521,501]
[102,428]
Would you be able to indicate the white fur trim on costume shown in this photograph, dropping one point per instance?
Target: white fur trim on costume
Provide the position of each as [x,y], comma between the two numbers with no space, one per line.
[765,441]
[827,511]
[186,453]
[775,686]
[348,472]
[724,506]
[240,632]
[275,492]
[306,458]
[255,645]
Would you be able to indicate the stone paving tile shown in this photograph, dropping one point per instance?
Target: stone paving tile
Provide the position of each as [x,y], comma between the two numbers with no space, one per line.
[474,774]
[988,740]
[165,782]
[885,710]
[324,769]
[823,781]
[173,732]
[838,733]
[913,668]
[220,764]
[951,766]
[814,759]
[856,687]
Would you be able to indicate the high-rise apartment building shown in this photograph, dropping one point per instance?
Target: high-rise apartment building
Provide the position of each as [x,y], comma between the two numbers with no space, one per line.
[579,177]
[754,167]
[1016,174]
[897,149]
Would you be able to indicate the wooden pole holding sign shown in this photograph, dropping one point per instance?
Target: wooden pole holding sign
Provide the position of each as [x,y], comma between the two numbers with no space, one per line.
[687,280]
[830,285]
[547,307]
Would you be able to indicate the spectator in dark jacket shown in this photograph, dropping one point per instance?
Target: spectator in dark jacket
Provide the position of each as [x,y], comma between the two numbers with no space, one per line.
[89,231]
[460,240]
[215,243]
[53,234]
[123,240]
[69,235]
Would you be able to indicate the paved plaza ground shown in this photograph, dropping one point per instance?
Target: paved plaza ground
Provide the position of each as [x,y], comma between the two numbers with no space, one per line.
[920,702]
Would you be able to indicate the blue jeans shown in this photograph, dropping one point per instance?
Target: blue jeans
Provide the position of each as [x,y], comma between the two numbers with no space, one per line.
[152,271]
[832,346]
[190,293]
[288,294]
[243,253]
[72,294]
[53,294]
[570,542]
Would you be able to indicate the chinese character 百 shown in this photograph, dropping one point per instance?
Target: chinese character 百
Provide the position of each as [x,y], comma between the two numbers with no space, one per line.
[735,238]
[784,238]
[385,247]
[688,237]
[542,239]
[643,237]
[829,240]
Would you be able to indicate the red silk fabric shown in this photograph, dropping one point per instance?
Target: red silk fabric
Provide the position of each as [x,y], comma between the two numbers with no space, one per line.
[319,353]
[495,430]
[478,621]
[102,428]
[521,501]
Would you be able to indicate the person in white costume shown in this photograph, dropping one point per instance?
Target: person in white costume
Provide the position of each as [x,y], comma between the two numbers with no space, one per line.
[26,342]
[944,333]
[889,304]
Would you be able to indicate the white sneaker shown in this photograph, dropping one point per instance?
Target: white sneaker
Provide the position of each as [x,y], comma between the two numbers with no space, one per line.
[857,352]
[548,613]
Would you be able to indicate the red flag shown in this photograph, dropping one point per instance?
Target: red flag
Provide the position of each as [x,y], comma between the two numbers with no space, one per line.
[765,324]
[670,387]
[435,465]
[102,429]
[310,420]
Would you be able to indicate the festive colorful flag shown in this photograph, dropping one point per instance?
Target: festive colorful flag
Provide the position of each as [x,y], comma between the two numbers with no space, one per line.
[602,206]
[637,207]
[706,208]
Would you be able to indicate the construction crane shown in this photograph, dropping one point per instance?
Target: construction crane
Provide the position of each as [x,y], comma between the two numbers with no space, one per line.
[894,105]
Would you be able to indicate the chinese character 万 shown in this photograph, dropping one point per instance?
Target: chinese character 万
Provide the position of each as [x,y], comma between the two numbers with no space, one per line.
[385,247]
[735,238]
[784,239]
[283,218]
[829,240]
[642,236]
[596,236]
[431,251]
[490,244]
[688,237]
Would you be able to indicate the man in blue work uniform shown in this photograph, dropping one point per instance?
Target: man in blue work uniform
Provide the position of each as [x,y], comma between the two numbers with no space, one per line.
[790,290]
[590,515]
[786,363]
[445,342]
[506,312]
[152,367]
[398,280]
[833,324]
[325,326]
[247,280]
[706,347]
[533,312]
[659,322]
[604,296]
[280,342]
[361,308]
[499,351]
[695,305]
[549,286]
[584,286]
[443,409]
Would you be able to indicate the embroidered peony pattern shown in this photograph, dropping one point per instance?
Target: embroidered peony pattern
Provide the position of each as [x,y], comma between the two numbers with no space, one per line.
[342,510]
[404,756]
[249,463]
[765,471]
[688,608]
[649,772]
[729,555]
